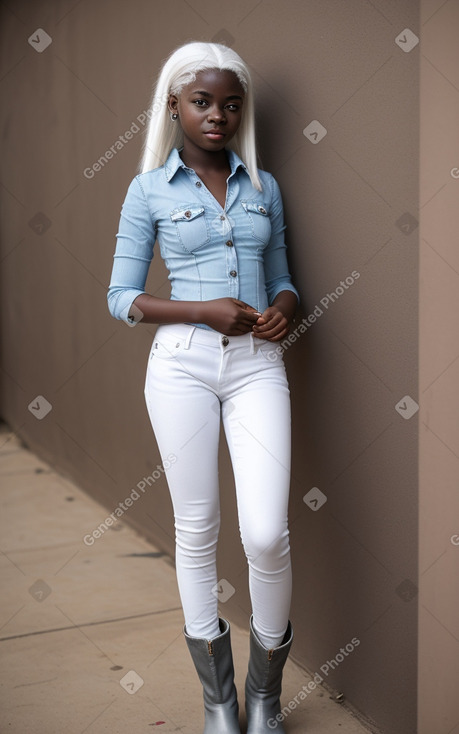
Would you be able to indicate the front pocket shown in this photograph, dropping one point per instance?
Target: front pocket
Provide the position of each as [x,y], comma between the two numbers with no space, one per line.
[191,226]
[259,220]
[165,350]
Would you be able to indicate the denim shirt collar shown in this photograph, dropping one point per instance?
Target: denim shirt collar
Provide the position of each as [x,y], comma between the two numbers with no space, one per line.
[174,162]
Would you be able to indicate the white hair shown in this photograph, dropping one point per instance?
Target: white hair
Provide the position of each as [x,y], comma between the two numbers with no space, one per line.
[181,69]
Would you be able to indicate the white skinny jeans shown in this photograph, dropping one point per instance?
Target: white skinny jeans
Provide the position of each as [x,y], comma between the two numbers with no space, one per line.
[194,376]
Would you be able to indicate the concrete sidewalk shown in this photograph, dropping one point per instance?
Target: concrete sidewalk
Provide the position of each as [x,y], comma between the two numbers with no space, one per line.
[91,637]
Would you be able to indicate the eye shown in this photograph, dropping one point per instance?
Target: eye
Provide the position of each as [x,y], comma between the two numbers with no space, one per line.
[232,107]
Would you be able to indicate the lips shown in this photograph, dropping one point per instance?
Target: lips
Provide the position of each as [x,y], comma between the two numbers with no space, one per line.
[215,134]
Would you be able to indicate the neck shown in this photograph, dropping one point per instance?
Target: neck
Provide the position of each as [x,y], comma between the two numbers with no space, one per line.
[201,160]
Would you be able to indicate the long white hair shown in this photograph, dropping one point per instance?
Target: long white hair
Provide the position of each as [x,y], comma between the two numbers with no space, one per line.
[179,70]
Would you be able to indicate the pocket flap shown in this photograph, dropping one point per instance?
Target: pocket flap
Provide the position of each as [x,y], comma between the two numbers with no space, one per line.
[255,206]
[186,213]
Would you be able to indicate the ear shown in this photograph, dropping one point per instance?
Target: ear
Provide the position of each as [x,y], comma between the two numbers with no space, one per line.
[172,103]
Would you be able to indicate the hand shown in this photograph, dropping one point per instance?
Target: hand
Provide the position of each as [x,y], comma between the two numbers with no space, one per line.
[229,316]
[272,325]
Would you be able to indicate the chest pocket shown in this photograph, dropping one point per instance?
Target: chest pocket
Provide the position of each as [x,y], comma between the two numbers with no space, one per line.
[259,220]
[191,226]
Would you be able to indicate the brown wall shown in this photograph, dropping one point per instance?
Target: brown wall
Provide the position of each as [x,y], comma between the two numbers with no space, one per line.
[351,204]
[439,372]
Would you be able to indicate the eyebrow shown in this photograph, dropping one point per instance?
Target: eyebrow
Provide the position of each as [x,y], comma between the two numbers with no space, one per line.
[207,94]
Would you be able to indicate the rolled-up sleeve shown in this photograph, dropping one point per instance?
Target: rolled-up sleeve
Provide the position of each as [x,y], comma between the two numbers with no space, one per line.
[133,253]
[277,274]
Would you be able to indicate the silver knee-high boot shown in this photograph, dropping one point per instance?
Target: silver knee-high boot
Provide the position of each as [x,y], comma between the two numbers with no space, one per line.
[213,661]
[263,685]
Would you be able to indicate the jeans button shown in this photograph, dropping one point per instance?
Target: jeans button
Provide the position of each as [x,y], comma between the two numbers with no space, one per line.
[225,341]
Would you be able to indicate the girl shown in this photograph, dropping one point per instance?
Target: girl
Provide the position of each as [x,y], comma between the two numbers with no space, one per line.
[219,224]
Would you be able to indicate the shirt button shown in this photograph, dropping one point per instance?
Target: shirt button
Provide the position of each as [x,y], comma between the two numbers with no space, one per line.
[188,214]
[233,273]
[262,210]
[222,217]
[229,243]
[198,184]
[225,341]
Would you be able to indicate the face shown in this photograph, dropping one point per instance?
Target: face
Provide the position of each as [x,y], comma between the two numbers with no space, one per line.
[209,109]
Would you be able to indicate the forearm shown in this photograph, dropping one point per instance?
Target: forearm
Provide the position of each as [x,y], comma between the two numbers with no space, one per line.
[226,315]
[286,302]
[164,311]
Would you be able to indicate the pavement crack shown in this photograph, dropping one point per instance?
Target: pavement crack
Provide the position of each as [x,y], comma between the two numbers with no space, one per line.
[90,624]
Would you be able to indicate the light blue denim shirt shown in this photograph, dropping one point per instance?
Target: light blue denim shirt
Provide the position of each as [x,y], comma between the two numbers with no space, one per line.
[210,252]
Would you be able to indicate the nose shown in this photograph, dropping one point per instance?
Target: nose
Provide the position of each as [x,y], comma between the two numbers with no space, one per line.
[216,114]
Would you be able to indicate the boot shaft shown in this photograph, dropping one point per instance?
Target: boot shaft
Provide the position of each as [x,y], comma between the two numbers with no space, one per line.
[213,661]
[266,666]
[263,685]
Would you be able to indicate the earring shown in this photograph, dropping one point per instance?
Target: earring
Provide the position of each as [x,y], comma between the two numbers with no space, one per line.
[174,116]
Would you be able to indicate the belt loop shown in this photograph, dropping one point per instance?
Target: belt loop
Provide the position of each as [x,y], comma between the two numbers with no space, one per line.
[188,338]
[252,344]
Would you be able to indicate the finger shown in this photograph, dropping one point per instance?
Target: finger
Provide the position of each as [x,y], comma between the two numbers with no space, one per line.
[242,304]
[280,336]
[247,307]
[250,318]
[275,337]
[274,323]
[273,334]
[270,312]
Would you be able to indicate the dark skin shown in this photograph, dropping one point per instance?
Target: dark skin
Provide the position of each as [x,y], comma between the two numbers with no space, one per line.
[214,102]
